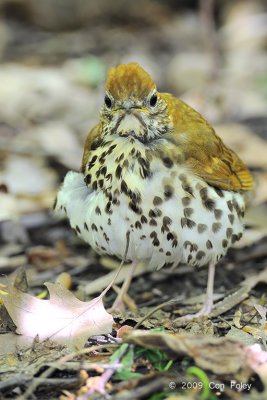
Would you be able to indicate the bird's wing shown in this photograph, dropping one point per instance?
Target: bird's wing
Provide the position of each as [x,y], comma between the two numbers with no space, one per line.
[203,151]
[93,140]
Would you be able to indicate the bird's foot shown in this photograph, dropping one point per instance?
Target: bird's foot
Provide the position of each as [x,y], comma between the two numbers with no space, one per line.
[122,301]
[203,312]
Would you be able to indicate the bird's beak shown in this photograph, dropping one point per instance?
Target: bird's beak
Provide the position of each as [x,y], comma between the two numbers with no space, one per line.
[128,104]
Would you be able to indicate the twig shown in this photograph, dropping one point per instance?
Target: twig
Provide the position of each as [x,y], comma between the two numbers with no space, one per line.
[166,303]
[101,381]
[62,360]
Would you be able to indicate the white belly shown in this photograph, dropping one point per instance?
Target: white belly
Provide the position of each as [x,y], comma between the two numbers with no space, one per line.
[180,230]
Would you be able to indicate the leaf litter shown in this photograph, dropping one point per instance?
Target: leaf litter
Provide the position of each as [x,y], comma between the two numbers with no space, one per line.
[45,114]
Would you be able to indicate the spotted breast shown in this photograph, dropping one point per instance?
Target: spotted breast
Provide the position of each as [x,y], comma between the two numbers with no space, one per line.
[155,170]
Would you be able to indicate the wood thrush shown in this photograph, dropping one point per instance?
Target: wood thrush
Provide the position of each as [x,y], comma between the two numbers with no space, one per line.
[155,171]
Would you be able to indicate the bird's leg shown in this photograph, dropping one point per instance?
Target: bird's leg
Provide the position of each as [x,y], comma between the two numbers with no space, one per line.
[118,303]
[208,304]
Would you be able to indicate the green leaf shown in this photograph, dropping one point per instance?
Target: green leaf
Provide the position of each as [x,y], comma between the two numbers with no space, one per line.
[125,351]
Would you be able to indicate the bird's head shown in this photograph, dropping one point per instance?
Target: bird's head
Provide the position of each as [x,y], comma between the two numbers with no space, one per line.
[132,106]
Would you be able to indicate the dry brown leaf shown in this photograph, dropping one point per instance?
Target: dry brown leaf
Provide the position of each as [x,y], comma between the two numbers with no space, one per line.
[63,318]
[222,356]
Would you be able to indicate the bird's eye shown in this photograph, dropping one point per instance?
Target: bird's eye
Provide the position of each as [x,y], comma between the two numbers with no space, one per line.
[108,101]
[153,100]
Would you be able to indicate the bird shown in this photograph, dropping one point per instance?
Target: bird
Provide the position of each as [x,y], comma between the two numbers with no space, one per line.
[157,180]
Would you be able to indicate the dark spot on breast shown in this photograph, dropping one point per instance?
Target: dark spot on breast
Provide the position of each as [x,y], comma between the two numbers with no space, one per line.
[86,226]
[155,242]
[120,158]
[144,167]
[200,254]
[152,214]
[161,250]
[216,226]
[155,213]
[108,208]
[115,201]
[187,243]
[111,148]
[143,219]
[153,222]
[97,211]
[135,196]
[229,232]
[170,236]
[209,204]
[167,162]
[231,218]
[92,161]
[237,208]
[142,237]
[109,221]
[188,212]
[189,258]
[109,177]
[102,158]
[134,207]
[219,192]
[230,205]
[166,221]
[194,247]
[103,170]
[224,243]
[168,191]
[168,253]
[186,222]
[118,172]
[77,229]
[175,243]
[218,213]
[94,227]
[96,143]
[203,193]
[106,237]
[187,188]
[138,225]
[94,185]
[209,244]
[186,201]
[167,265]
[125,164]
[88,179]
[234,238]
[157,201]
[201,228]
[124,187]
[101,183]
[158,212]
